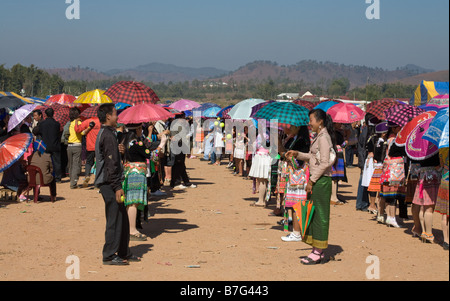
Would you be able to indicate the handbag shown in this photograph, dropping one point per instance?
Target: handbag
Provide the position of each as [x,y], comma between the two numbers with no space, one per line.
[393,171]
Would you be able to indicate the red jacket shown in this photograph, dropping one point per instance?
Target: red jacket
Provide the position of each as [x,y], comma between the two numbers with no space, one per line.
[92,135]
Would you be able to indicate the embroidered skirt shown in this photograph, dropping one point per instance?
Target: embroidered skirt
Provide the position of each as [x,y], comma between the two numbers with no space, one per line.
[135,184]
[375,185]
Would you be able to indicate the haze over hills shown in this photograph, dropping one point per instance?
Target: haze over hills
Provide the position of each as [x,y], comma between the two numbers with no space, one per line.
[309,71]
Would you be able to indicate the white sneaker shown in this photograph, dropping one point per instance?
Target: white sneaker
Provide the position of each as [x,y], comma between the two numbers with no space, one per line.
[291,237]
[181,186]
[159,193]
[192,186]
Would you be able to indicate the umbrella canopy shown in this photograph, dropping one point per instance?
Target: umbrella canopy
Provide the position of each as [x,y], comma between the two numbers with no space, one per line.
[432,107]
[204,107]
[211,112]
[402,114]
[305,210]
[62,99]
[346,113]
[19,115]
[259,106]
[61,113]
[377,107]
[36,100]
[10,102]
[224,112]
[287,113]
[304,103]
[443,143]
[90,112]
[94,97]
[428,90]
[439,100]
[144,113]
[326,105]
[121,106]
[402,136]
[172,110]
[418,148]
[437,126]
[243,109]
[188,113]
[185,105]
[132,93]
[15,95]
[13,148]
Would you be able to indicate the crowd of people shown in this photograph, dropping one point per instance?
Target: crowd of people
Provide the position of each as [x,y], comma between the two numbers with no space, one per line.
[134,161]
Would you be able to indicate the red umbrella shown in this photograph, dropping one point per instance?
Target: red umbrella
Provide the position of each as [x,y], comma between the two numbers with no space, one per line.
[346,113]
[144,113]
[402,136]
[307,104]
[90,112]
[132,93]
[62,99]
[377,107]
[13,148]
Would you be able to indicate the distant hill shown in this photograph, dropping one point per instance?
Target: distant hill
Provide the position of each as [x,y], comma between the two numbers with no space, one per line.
[438,76]
[311,71]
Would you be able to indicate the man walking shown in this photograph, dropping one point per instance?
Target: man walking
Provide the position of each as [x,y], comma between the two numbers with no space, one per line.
[49,130]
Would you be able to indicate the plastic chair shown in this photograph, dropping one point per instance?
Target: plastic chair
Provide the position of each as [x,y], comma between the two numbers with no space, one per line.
[32,172]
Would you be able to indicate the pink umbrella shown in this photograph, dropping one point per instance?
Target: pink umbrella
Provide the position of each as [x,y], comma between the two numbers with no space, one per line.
[144,113]
[346,113]
[418,148]
[185,105]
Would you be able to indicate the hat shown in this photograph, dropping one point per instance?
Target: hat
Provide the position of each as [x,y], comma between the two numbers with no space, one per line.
[392,124]
[381,128]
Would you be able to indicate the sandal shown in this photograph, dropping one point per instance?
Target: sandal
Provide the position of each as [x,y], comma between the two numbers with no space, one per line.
[138,237]
[310,261]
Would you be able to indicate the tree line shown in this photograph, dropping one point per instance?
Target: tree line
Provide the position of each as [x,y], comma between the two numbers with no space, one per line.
[39,83]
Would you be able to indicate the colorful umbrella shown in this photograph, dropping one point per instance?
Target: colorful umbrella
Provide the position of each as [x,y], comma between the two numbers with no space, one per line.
[172,110]
[243,109]
[304,103]
[432,107]
[204,107]
[437,126]
[418,148]
[144,113]
[346,113]
[185,105]
[439,100]
[132,93]
[402,136]
[19,115]
[211,112]
[287,114]
[258,107]
[62,99]
[402,114]
[304,211]
[13,148]
[94,97]
[377,107]
[444,138]
[224,112]
[326,105]
[13,95]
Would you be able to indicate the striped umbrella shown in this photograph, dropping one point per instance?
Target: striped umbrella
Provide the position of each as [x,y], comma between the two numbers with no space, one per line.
[287,114]
[15,95]
[402,114]
[13,148]
[224,112]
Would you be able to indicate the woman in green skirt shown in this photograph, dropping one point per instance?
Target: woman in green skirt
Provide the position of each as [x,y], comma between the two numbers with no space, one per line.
[321,157]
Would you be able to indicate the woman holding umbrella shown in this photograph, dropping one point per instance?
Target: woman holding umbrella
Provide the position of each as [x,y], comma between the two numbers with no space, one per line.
[321,157]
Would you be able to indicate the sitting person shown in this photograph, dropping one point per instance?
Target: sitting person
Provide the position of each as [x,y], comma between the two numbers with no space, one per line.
[43,160]
[14,178]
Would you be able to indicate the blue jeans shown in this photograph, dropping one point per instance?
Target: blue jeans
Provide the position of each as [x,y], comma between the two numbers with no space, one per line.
[349,156]
[213,157]
[362,199]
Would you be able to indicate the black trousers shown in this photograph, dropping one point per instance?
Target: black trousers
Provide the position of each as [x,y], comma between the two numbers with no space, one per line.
[179,173]
[90,159]
[56,160]
[117,234]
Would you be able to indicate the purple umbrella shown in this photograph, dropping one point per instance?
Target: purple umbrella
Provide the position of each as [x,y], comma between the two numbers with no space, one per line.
[19,115]
[258,107]
[418,148]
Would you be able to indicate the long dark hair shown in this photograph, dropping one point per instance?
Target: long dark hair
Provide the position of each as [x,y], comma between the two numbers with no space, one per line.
[321,115]
[127,138]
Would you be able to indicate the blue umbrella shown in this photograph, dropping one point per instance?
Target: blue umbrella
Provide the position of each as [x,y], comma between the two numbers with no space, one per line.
[188,113]
[121,106]
[326,105]
[435,132]
[444,138]
[220,114]
[211,112]
[204,107]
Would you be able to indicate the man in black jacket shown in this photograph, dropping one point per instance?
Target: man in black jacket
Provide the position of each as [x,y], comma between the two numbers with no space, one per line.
[109,177]
[49,130]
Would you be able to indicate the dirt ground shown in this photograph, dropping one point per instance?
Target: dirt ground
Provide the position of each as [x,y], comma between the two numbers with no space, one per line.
[211,227]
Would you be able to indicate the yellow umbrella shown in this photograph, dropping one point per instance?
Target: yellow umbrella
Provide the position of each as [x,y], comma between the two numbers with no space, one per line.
[95,96]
